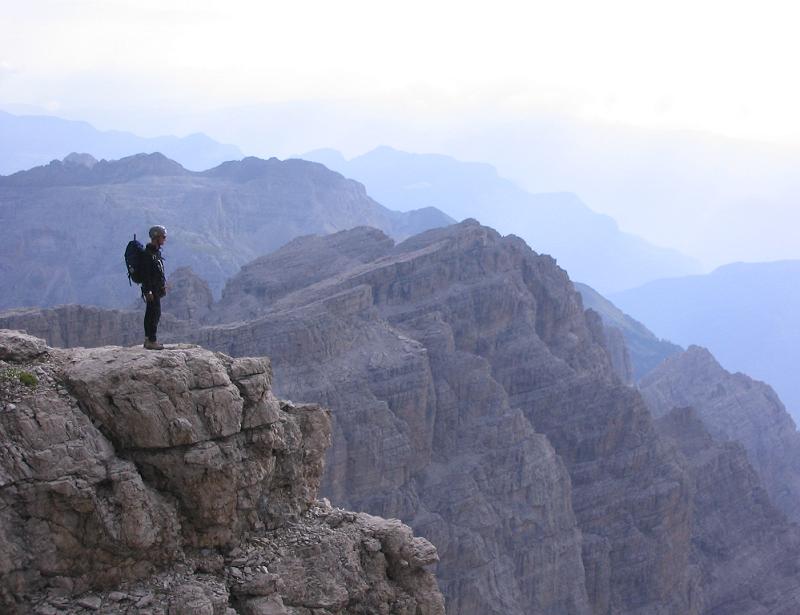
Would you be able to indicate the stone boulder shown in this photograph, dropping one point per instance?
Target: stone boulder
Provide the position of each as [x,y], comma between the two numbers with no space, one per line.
[134,481]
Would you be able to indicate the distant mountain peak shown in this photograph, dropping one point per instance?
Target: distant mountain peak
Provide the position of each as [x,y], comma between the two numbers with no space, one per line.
[33,140]
[138,165]
[83,170]
[84,160]
[246,169]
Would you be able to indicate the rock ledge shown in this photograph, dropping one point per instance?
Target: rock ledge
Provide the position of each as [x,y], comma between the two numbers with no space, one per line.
[175,482]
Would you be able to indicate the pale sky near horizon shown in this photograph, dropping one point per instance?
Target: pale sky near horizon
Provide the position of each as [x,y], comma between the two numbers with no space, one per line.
[721,67]
[462,78]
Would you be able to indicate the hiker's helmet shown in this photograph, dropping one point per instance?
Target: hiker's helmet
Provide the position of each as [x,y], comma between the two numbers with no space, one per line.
[157,231]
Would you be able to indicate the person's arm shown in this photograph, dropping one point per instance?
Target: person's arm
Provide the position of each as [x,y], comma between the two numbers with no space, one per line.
[147,278]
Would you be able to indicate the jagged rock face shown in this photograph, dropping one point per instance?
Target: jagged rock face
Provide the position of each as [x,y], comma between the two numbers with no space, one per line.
[747,553]
[298,264]
[64,227]
[84,170]
[619,354]
[80,325]
[645,350]
[474,398]
[441,359]
[176,482]
[189,297]
[734,407]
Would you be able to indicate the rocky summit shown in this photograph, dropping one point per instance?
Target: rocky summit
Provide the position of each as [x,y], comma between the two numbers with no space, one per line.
[734,407]
[64,226]
[176,483]
[474,398]
[746,551]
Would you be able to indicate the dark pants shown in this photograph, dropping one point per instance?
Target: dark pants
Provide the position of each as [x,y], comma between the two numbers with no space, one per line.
[151,317]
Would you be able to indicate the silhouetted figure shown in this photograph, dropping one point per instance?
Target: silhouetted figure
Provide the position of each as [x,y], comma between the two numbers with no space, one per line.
[154,286]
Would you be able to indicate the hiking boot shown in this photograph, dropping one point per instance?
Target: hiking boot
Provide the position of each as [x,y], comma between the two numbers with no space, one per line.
[153,345]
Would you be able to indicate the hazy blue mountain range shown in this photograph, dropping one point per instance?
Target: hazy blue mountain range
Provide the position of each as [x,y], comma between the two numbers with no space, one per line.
[645,349]
[64,226]
[30,140]
[588,245]
[745,313]
[716,199]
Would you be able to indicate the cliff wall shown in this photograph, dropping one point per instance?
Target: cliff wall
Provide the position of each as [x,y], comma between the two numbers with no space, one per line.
[175,482]
[734,407]
[746,551]
[474,398]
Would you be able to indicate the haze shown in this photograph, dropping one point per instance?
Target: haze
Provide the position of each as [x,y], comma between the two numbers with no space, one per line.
[569,96]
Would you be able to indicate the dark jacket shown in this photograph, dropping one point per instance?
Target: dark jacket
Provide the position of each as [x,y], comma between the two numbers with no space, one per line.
[153,278]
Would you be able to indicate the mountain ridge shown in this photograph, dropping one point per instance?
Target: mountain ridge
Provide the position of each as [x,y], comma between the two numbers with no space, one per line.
[474,398]
[745,313]
[558,223]
[178,483]
[217,220]
[31,140]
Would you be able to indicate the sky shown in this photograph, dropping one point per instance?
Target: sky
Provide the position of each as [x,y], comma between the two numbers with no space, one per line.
[470,79]
[723,67]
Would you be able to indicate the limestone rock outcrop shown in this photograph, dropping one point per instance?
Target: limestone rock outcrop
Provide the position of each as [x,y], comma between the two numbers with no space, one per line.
[737,408]
[57,222]
[68,326]
[747,552]
[474,398]
[175,482]
[190,298]
[645,351]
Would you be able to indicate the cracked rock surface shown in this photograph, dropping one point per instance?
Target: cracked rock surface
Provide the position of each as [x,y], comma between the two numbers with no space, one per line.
[175,482]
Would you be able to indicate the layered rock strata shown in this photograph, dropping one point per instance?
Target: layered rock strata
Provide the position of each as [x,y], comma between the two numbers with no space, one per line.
[190,298]
[645,351]
[175,482]
[60,223]
[68,326]
[474,398]
[747,552]
[446,360]
[737,408]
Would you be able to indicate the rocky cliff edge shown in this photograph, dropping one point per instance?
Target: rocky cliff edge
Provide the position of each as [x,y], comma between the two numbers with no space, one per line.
[175,482]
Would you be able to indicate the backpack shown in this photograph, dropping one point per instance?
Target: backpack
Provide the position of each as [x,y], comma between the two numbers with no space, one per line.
[134,261]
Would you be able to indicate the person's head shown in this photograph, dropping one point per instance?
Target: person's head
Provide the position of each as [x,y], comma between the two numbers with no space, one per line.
[158,235]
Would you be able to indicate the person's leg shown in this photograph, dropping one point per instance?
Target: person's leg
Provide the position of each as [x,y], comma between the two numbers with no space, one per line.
[156,316]
[151,316]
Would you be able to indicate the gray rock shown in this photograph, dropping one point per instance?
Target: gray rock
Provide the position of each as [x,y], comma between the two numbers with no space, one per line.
[16,346]
[190,599]
[263,606]
[745,550]
[91,602]
[218,220]
[106,493]
[737,408]
[476,400]
[448,353]
[190,298]
[79,325]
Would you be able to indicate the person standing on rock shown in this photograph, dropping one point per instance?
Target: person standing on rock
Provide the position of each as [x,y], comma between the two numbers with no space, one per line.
[154,286]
